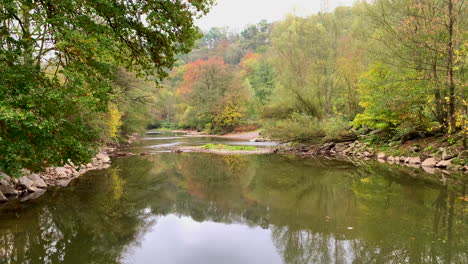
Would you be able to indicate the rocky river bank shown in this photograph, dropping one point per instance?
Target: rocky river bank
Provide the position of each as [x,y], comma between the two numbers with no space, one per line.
[444,161]
[33,185]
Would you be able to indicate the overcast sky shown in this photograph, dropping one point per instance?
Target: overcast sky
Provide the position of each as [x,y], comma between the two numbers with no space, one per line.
[238,13]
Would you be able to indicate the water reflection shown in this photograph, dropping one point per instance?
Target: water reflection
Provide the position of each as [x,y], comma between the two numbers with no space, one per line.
[204,208]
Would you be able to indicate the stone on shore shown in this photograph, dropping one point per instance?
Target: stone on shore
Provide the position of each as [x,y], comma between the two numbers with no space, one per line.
[430,163]
[37,181]
[104,158]
[415,160]
[7,189]
[27,184]
[381,156]
[443,164]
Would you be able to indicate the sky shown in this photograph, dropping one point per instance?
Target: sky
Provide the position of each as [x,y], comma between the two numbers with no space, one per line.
[236,14]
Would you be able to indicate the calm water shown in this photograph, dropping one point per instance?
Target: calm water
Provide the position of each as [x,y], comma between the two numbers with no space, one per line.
[205,208]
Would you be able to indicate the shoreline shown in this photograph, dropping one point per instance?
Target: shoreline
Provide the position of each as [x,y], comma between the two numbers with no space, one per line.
[355,150]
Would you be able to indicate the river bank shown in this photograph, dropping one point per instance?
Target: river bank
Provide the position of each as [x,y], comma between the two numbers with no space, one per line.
[445,160]
[33,185]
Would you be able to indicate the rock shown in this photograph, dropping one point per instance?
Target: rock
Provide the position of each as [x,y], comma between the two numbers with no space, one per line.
[367,154]
[430,163]
[391,159]
[104,158]
[381,156]
[408,159]
[402,159]
[3,199]
[415,160]
[37,181]
[443,163]
[62,172]
[7,189]
[27,184]
[396,159]
[4,176]
[260,140]
[448,154]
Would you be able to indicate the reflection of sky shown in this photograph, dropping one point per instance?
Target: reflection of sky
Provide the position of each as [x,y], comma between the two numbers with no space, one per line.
[182,240]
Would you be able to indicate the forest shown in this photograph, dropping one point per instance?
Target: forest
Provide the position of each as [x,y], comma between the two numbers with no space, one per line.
[78,75]
[397,66]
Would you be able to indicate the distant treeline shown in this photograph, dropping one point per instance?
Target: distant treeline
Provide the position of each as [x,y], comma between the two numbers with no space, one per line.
[397,66]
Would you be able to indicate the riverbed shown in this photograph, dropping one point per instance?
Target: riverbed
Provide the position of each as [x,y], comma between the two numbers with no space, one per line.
[206,208]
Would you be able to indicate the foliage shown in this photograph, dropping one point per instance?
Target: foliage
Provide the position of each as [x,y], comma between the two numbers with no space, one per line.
[394,100]
[58,60]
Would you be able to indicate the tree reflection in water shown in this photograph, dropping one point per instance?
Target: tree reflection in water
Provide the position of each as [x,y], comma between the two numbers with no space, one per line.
[318,211]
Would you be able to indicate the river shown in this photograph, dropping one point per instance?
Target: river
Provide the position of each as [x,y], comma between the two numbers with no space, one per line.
[205,208]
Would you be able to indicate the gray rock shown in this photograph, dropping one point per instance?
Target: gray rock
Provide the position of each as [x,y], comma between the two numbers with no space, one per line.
[415,160]
[4,176]
[62,172]
[448,154]
[27,184]
[104,158]
[381,156]
[3,199]
[37,181]
[430,163]
[443,164]
[7,189]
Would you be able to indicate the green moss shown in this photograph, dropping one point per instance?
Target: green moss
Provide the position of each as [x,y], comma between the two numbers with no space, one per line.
[228,147]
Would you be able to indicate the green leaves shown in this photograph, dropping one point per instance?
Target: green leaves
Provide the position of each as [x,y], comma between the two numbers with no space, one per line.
[59,59]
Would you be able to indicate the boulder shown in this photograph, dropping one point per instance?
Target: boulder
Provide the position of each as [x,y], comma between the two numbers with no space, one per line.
[62,172]
[37,181]
[7,189]
[27,184]
[430,163]
[4,176]
[408,159]
[104,158]
[402,159]
[443,164]
[391,159]
[381,155]
[415,160]
[448,154]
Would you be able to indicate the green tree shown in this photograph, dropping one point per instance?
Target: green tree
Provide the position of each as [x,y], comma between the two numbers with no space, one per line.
[57,63]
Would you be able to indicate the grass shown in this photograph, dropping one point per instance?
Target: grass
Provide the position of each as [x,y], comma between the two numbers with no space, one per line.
[228,147]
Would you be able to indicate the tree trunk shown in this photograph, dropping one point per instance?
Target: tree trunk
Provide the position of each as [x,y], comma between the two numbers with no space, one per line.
[450,68]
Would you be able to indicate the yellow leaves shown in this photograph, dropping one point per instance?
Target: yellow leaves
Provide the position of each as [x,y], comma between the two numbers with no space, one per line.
[365,180]
[114,122]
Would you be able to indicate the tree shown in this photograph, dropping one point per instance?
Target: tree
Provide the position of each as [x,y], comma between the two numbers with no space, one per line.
[57,63]
[424,35]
